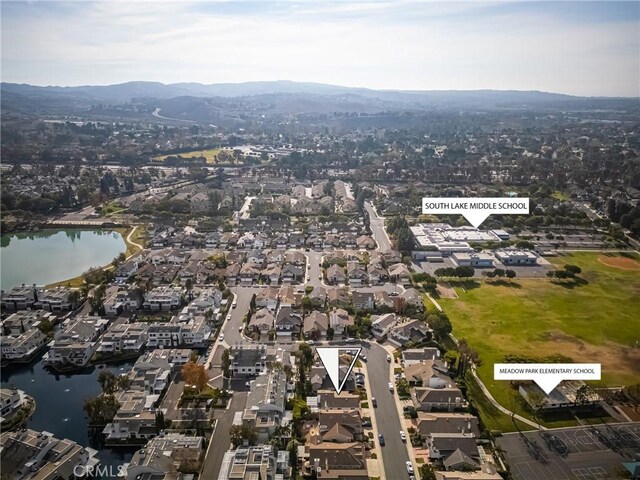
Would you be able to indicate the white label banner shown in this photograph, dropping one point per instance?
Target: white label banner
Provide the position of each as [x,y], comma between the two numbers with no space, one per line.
[546,375]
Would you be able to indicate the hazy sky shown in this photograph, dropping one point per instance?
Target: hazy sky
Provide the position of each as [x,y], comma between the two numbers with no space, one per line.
[577,47]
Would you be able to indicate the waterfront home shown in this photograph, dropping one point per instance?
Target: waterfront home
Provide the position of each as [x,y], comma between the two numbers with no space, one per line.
[19,322]
[28,454]
[57,299]
[125,270]
[151,373]
[124,338]
[76,342]
[22,347]
[10,401]
[163,298]
[19,298]
[123,299]
[135,420]
[161,455]
[195,330]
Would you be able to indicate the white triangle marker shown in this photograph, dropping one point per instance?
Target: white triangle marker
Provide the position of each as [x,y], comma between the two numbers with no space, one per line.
[330,357]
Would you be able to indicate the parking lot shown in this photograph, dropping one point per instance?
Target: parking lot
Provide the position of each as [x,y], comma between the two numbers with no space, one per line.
[531,271]
[578,453]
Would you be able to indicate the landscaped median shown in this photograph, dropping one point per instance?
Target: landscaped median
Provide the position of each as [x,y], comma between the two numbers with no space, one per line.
[591,318]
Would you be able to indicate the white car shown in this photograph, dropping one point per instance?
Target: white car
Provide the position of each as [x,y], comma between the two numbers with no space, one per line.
[221,337]
[234,304]
[308,277]
[403,436]
[391,387]
[388,358]
[409,467]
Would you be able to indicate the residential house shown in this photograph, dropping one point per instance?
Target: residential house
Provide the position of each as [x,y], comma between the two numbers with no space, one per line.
[57,299]
[28,454]
[22,321]
[412,299]
[336,275]
[428,423]
[267,298]
[288,321]
[272,274]
[125,270]
[259,462]
[124,338]
[266,403]
[292,274]
[366,242]
[409,331]
[135,420]
[250,359]
[76,342]
[318,296]
[249,274]
[383,301]
[339,320]
[377,275]
[337,461]
[162,456]
[22,347]
[399,273]
[363,300]
[315,325]
[338,297]
[412,356]
[123,299]
[428,373]
[437,399]
[443,445]
[163,298]
[10,401]
[262,321]
[288,297]
[381,324]
[330,400]
[19,298]
[357,274]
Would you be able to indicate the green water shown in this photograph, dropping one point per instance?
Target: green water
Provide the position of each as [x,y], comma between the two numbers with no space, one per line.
[49,256]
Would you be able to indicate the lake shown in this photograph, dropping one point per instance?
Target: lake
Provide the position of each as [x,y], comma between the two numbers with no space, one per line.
[49,256]
[59,404]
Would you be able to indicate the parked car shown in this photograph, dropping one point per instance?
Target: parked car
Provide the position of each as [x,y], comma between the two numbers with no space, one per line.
[363,358]
[391,387]
[234,304]
[221,337]
[389,358]
[409,467]
[381,439]
[403,436]
[374,402]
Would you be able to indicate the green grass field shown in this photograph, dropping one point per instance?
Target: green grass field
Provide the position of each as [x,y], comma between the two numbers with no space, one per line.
[210,154]
[593,320]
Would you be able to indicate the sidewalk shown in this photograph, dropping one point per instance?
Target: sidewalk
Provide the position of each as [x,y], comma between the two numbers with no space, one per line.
[375,467]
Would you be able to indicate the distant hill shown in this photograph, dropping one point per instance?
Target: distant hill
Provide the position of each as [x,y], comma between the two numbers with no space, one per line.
[199,102]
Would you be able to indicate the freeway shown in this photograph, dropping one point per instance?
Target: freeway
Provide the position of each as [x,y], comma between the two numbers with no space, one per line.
[376,223]
[394,453]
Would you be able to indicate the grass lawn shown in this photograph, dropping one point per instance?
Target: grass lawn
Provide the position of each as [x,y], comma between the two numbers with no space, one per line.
[593,320]
[210,154]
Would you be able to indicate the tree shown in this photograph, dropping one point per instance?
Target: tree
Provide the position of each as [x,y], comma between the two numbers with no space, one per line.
[101,409]
[499,272]
[226,363]
[582,395]
[489,274]
[440,324]
[107,381]
[241,434]
[194,374]
[427,472]
[300,409]
[572,270]
[510,274]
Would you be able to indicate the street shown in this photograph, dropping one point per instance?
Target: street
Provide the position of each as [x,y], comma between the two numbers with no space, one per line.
[377,228]
[394,453]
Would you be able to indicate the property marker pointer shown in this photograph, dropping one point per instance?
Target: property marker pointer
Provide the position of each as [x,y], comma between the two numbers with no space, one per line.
[330,357]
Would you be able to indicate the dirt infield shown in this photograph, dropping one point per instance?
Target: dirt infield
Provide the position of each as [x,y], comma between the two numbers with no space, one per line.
[620,262]
[445,290]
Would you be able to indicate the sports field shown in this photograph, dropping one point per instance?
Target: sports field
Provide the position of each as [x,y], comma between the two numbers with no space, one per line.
[594,319]
[210,154]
